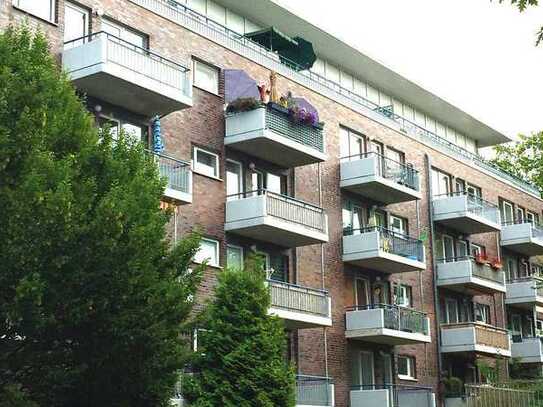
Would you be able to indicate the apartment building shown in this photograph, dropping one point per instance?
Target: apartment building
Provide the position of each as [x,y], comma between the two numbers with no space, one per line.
[397,257]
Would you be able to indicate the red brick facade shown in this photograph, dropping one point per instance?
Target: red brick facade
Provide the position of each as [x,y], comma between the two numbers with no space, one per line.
[322,351]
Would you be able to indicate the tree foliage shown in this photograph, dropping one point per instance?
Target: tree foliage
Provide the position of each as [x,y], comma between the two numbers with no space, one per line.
[523,158]
[92,295]
[240,360]
[522,5]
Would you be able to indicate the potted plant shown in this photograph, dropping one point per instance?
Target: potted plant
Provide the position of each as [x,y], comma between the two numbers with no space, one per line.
[480,258]
[496,264]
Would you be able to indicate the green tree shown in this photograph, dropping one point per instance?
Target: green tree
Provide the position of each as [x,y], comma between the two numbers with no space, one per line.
[522,5]
[92,295]
[523,158]
[240,360]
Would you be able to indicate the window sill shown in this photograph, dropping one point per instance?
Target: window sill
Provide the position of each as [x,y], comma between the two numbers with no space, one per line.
[29,13]
[207,175]
[407,378]
[213,266]
[207,91]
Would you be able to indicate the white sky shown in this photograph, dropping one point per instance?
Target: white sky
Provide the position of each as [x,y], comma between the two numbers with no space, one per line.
[478,55]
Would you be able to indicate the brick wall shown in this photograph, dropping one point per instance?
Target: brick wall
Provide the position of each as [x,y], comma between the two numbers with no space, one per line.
[203,125]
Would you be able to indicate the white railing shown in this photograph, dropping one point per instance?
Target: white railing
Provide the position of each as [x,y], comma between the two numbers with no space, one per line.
[300,299]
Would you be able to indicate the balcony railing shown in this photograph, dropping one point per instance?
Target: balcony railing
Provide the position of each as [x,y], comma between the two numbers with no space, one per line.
[393,242]
[299,299]
[314,391]
[483,271]
[177,172]
[395,171]
[277,120]
[475,336]
[399,318]
[536,230]
[205,26]
[289,209]
[475,205]
[141,61]
[392,395]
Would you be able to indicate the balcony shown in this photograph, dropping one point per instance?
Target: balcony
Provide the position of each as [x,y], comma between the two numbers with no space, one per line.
[464,274]
[379,178]
[524,238]
[475,337]
[179,178]
[268,133]
[392,395]
[383,250]
[466,213]
[524,292]
[300,307]
[274,218]
[120,73]
[314,391]
[387,324]
[527,350]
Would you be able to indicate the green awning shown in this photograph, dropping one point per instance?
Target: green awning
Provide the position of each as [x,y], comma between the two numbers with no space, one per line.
[295,52]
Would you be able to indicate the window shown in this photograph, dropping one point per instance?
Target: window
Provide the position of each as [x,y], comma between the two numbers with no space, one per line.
[40,8]
[403,295]
[276,183]
[448,248]
[474,191]
[482,313]
[351,145]
[206,163]
[206,77]
[125,34]
[234,180]
[133,131]
[234,256]
[208,251]
[407,367]
[353,218]
[76,24]
[361,292]
[398,225]
[441,183]
[532,217]
[520,215]
[459,185]
[476,250]
[451,311]
[507,212]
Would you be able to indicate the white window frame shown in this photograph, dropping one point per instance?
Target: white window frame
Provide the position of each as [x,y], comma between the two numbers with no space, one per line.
[195,162]
[240,248]
[240,181]
[52,13]
[83,11]
[403,223]
[411,367]
[402,295]
[367,293]
[510,206]
[215,88]
[212,262]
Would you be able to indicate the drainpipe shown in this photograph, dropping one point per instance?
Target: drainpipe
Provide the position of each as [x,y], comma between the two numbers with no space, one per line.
[428,169]
[319,178]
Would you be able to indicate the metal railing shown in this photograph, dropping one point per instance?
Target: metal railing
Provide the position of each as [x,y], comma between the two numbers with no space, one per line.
[487,335]
[536,229]
[141,61]
[483,271]
[277,120]
[399,318]
[393,242]
[314,391]
[398,172]
[177,172]
[536,280]
[475,205]
[398,393]
[484,395]
[298,298]
[187,17]
[289,209]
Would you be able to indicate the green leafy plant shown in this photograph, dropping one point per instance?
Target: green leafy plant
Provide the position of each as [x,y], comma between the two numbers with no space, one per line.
[454,387]
[240,359]
[243,105]
[92,294]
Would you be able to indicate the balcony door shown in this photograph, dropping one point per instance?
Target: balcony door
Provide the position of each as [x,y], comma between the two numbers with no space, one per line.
[124,33]
[361,292]
[448,248]
[367,370]
[507,212]
[76,24]
[234,180]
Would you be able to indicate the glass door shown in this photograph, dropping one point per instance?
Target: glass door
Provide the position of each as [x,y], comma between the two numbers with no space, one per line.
[367,370]
[76,25]
[507,212]
[448,248]
[234,180]
[362,292]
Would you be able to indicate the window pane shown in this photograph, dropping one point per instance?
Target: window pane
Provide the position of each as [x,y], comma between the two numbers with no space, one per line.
[41,8]
[234,257]
[75,24]
[403,368]
[207,251]
[233,180]
[273,183]
[206,163]
[343,143]
[206,77]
